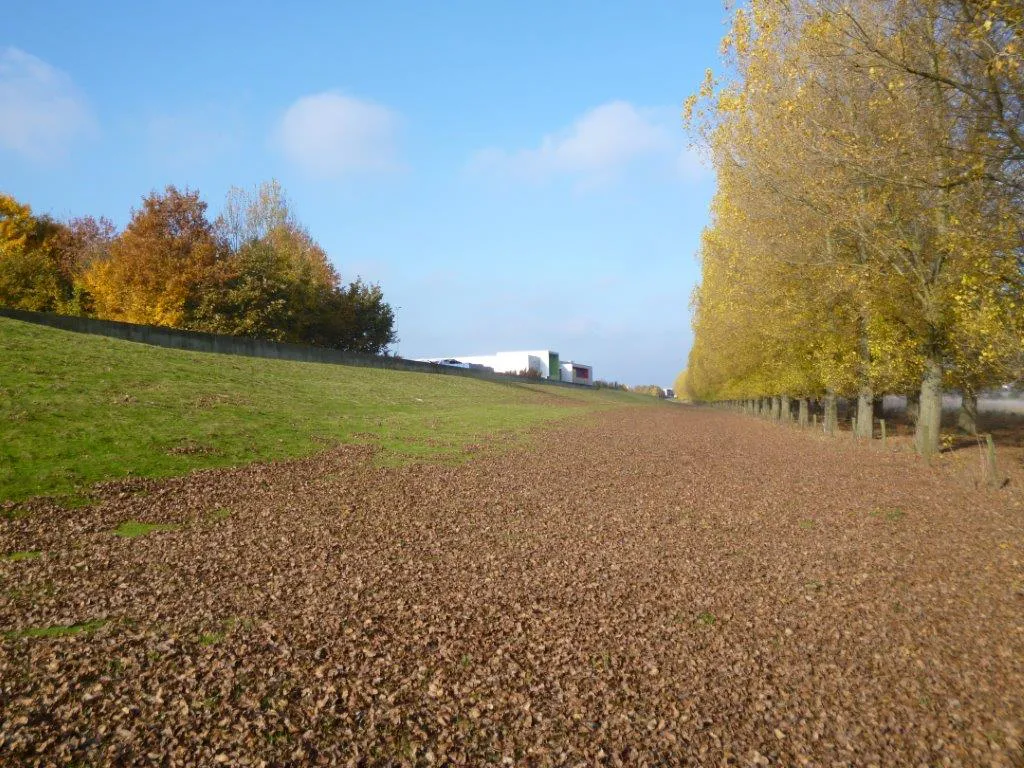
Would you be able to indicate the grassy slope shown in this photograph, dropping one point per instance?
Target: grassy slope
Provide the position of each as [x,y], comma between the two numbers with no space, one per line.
[76,409]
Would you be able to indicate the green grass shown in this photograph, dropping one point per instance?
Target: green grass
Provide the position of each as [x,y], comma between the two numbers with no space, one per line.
[131,529]
[13,557]
[215,636]
[77,409]
[56,631]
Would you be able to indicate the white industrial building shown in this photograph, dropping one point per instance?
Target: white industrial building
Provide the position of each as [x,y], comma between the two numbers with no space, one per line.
[577,373]
[545,363]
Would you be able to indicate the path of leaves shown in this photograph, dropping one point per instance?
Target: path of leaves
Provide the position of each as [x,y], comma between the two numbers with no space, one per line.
[665,586]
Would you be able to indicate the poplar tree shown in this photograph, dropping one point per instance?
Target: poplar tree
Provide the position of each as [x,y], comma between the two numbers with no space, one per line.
[869,204]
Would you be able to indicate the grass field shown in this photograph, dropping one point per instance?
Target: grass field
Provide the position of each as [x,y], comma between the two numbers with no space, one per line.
[77,409]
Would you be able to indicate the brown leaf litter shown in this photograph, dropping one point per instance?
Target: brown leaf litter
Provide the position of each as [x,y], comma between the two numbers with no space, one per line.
[666,586]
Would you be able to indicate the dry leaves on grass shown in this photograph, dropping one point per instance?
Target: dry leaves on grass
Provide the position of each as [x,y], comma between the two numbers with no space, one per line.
[664,586]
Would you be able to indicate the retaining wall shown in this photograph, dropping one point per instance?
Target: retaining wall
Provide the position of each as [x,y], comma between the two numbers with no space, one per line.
[198,341]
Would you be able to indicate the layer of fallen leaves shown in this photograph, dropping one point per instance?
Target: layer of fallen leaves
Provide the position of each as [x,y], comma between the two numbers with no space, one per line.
[666,586]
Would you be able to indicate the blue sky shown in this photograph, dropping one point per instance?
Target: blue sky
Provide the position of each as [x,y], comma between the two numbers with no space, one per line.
[514,175]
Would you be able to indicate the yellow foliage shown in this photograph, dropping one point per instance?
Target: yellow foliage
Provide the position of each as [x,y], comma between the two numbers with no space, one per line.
[849,247]
[161,260]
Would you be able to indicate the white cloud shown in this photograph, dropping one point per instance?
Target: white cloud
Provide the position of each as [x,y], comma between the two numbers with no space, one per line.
[328,134]
[41,111]
[598,144]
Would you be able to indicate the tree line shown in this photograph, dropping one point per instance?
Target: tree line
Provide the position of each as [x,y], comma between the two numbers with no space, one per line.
[253,271]
[652,390]
[867,232]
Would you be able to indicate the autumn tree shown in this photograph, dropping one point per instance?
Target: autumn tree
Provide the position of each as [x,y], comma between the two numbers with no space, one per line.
[275,288]
[159,267]
[256,271]
[827,198]
[652,390]
[27,279]
[252,214]
[278,283]
[945,225]
[680,386]
[76,246]
[40,260]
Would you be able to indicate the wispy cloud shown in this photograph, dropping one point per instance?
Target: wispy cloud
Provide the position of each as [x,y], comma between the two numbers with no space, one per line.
[599,144]
[42,113]
[332,135]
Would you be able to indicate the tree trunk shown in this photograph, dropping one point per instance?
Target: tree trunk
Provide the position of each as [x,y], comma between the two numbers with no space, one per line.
[802,417]
[831,416]
[967,418]
[929,420]
[787,409]
[865,413]
[865,424]
[776,408]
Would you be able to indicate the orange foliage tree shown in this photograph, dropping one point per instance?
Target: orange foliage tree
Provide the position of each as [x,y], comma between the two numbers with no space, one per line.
[38,261]
[159,265]
[255,272]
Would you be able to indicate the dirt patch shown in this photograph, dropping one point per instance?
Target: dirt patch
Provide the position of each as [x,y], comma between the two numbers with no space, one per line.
[662,586]
[210,400]
[191,448]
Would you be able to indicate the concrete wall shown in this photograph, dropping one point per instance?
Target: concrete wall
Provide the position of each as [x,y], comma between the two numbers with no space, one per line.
[991,402]
[197,341]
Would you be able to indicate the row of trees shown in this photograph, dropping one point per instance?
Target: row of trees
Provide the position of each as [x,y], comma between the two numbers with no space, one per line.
[652,390]
[867,233]
[254,271]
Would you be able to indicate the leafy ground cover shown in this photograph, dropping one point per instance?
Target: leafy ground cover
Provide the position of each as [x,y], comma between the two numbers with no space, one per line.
[656,586]
[77,409]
